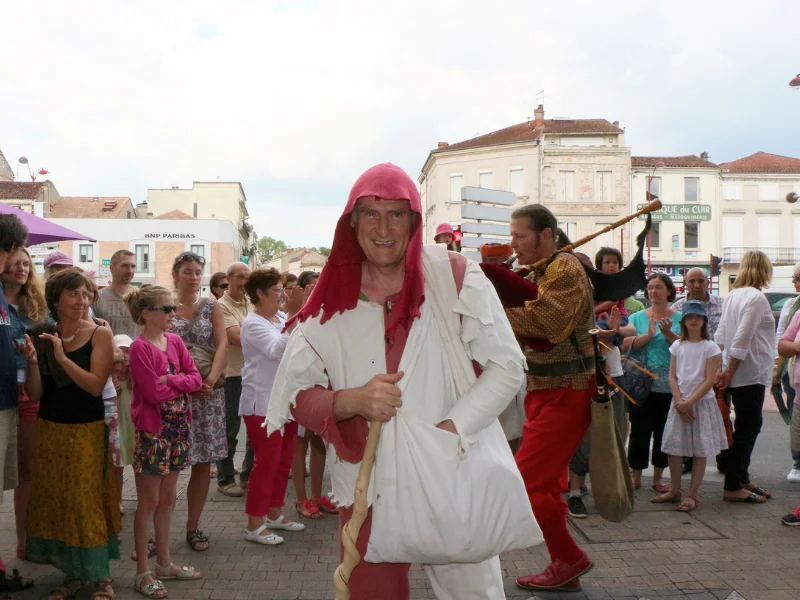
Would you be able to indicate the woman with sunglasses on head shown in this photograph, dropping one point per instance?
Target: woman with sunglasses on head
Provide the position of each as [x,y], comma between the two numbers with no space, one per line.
[163,374]
[73,516]
[199,322]
[218,284]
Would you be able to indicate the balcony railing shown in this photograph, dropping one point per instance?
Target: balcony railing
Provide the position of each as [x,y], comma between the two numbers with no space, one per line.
[778,256]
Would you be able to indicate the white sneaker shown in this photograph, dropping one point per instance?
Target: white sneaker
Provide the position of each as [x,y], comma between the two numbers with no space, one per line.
[281,523]
[793,476]
[265,540]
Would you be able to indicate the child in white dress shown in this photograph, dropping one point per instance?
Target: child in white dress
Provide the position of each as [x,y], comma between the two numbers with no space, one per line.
[694,425]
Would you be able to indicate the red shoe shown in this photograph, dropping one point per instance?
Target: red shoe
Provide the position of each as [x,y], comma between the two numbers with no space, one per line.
[557,575]
[325,505]
[572,586]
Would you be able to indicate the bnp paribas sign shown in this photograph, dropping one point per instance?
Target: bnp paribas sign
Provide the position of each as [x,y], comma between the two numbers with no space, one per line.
[679,212]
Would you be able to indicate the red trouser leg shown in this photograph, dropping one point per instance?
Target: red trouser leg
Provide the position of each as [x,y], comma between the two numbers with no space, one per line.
[370,581]
[284,465]
[556,423]
[269,465]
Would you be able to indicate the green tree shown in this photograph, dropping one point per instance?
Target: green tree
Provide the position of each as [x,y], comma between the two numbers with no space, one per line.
[324,251]
[269,247]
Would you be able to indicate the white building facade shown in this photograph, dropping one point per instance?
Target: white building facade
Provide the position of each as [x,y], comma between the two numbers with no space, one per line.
[755,214]
[686,230]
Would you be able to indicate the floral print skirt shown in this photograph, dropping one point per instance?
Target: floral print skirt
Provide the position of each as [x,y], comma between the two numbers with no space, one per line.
[207,439]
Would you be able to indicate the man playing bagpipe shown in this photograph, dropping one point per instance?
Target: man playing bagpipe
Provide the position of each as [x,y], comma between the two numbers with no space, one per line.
[551,311]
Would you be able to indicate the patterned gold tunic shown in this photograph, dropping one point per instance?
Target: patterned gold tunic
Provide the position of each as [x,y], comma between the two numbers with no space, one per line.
[564,307]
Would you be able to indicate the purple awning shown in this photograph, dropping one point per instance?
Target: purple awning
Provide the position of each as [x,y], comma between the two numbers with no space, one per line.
[41,230]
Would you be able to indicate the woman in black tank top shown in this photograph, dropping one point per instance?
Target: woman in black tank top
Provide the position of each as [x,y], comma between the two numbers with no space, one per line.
[69,364]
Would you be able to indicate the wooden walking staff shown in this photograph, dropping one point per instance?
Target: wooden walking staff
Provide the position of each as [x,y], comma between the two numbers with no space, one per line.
[341,576]
[651,207]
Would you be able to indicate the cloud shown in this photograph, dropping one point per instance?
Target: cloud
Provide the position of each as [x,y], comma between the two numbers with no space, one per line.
[296,99]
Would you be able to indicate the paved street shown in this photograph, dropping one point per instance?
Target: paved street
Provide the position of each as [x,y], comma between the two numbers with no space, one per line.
[715,553]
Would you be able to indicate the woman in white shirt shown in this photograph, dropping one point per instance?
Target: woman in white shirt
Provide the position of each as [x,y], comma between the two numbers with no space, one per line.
[746,334]
[263,343]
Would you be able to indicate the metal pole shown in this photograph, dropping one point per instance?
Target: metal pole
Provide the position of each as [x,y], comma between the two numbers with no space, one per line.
[649,233]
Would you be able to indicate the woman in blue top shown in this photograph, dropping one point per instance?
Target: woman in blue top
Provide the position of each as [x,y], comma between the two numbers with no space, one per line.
[656,328]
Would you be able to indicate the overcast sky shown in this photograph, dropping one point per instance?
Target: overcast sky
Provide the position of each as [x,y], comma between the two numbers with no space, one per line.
[296,98]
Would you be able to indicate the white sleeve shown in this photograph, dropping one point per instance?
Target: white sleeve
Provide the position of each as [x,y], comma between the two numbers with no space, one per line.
[787,307]
[301,369]
[489,341]
[265,339]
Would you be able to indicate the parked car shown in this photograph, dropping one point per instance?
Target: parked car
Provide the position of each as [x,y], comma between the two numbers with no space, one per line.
[777,300]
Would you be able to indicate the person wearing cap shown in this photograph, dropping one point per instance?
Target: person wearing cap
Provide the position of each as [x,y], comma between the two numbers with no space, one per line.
[496,253]
[694,426]
[54,262]
[445,235]
[372,289]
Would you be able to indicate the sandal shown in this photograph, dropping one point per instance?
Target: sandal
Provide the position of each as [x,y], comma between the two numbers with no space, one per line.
[326,505]
[282,523]
[759,491]
[688,504]
[307,509]
[68,590]
[151,549]
[184,573]
[15,583]
[668,496]
[751,499]
[103,591]
[154,589]
[195,539]
[660,488]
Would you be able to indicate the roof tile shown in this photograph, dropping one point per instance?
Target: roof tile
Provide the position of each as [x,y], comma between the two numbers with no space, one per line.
[89,207]
[762,162]
[690,160]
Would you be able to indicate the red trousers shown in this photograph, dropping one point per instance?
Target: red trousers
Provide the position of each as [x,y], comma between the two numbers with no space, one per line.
[556,422]
[272,461]
[369,581]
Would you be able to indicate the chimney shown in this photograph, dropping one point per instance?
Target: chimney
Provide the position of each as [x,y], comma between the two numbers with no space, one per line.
[538,116]
[443,144]
[704,155]
[141,210]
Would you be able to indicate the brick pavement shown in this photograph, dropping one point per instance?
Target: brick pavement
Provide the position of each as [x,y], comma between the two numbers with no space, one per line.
[718,552]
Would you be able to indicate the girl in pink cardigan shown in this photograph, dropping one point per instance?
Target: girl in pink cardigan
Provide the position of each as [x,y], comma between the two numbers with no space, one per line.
[163,373]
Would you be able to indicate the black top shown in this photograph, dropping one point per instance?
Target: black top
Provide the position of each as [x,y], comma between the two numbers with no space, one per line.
[9,391]
[70,404]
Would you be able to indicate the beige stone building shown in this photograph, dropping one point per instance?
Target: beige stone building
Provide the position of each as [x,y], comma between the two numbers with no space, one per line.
[296,261]
[579,168]
[6,174]
[755,214]
[216,200]
[34,197]
[686,231]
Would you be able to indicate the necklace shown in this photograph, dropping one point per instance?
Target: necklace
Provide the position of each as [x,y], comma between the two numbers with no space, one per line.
[67,340]
[192,304]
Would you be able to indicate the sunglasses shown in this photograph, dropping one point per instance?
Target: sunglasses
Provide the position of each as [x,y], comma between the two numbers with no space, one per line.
[166,309]
[223,286]
[191,256]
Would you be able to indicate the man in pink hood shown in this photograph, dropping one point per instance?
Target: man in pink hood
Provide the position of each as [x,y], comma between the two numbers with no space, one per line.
[376,263]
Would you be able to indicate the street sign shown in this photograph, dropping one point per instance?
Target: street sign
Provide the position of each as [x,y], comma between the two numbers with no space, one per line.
[487,196]
[679,212]
[485,228]
[477,242]
[486,213]
[106,262]
[245,259]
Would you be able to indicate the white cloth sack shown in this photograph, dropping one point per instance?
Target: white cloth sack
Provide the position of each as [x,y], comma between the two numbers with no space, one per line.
[442,498]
